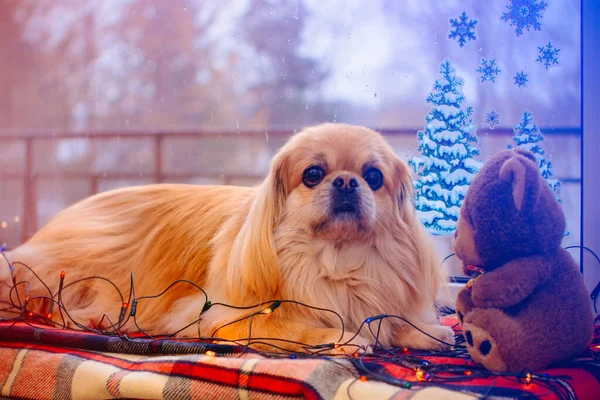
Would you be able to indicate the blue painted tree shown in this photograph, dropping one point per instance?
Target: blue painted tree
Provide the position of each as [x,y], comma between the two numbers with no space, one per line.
[448,149]
[527,135]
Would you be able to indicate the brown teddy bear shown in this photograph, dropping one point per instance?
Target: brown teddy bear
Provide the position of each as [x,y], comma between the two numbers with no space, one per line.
[528,308]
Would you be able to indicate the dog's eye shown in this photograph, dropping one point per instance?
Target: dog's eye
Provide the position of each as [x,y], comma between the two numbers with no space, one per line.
[374,178]
[313,176]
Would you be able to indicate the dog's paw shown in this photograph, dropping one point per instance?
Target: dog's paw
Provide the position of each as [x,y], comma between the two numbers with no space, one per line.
[443,337]
[433,337]
[483,348]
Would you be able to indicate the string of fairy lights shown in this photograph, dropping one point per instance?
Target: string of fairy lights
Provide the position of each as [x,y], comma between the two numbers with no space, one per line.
[424,372]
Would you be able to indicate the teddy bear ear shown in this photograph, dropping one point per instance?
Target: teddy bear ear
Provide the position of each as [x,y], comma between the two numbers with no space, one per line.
[515,172]
[526,153]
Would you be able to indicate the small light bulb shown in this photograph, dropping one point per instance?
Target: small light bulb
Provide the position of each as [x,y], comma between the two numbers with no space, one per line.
[62,274]
[528,378]
[363,378]
[405,349]
[468,373]
[30,314]
[125,305]
[271,308]
[49,316]
[210,353]
[420,374]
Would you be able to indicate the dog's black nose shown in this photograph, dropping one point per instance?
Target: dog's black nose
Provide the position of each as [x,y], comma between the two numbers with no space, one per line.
[345,183]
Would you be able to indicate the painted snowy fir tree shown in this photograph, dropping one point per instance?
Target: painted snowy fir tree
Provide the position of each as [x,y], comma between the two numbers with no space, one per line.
[448,149]
[527,135]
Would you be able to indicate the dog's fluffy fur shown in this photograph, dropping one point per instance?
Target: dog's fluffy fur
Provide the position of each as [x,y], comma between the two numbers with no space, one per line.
[244,246]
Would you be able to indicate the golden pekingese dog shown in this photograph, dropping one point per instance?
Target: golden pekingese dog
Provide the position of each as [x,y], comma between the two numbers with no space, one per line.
[332,225]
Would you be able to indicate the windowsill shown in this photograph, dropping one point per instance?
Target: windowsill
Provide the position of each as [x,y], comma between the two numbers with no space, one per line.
[454,288]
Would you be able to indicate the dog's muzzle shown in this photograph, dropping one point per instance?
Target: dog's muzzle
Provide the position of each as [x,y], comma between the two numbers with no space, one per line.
[345,203]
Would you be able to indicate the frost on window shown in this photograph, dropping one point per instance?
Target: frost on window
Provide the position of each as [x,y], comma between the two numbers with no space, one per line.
[548,55]
[463,29]
[525,14]
[488,70]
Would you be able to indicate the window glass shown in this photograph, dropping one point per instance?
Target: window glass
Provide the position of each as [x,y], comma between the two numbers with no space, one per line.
[105,94]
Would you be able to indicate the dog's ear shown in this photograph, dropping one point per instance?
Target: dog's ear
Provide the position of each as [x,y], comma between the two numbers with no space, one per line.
[417,241]
[405,192]
[253,257]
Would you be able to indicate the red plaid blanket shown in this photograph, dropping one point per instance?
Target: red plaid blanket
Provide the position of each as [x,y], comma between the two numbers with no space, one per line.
[43,363]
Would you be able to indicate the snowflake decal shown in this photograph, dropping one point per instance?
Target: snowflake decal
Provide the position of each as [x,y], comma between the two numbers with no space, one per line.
[548,55]
[521,79]
[463,29]
[488,70]
[492,119]
[525,14]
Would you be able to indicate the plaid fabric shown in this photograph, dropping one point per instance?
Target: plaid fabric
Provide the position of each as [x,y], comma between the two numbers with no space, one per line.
[42,363]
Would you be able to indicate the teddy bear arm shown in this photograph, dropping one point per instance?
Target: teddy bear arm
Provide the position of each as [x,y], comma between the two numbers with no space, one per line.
[464,303]
[510,284]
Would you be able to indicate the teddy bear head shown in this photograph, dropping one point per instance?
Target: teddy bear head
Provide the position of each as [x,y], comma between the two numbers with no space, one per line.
[509,211]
